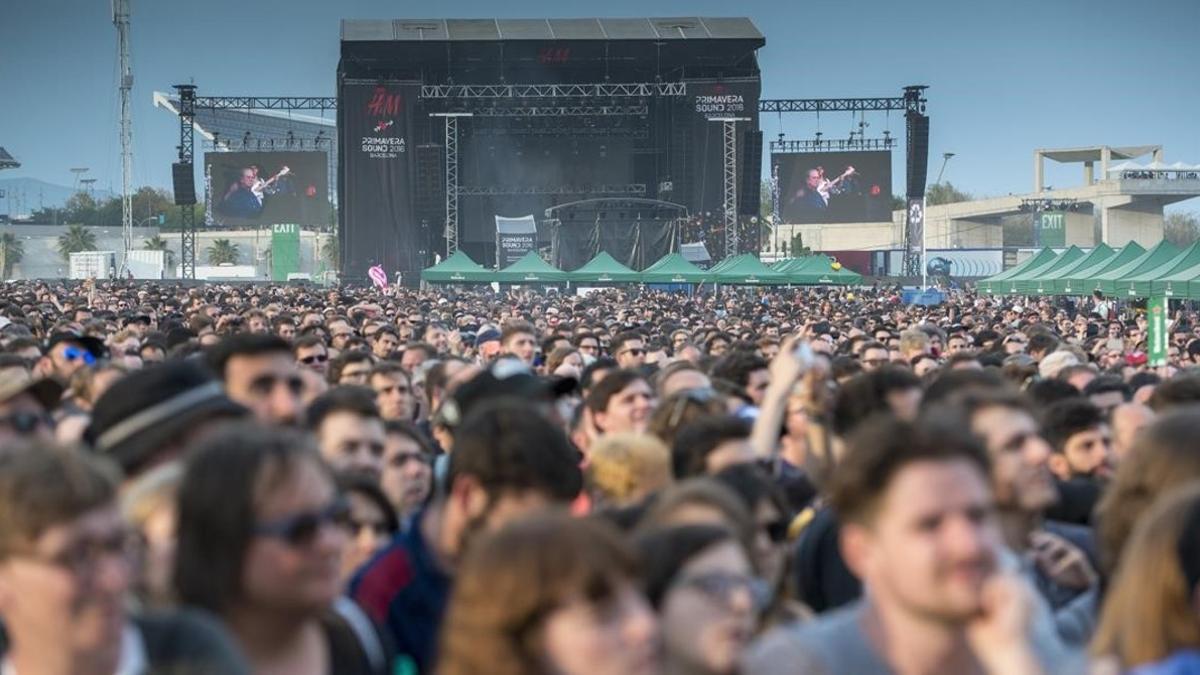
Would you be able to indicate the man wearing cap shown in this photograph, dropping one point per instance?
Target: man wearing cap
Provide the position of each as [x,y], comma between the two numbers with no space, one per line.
[149,416]
[67,353]
[25,405]
[487,345]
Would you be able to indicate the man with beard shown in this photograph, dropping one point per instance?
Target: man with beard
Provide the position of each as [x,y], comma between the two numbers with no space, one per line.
[1055,553]
[920,530]
[1082,459]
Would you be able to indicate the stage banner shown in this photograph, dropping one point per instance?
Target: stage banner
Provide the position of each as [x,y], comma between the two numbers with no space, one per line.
[375,167]
[1156,330]
[1051,229]
[915,238]
[704,154]
[514,238]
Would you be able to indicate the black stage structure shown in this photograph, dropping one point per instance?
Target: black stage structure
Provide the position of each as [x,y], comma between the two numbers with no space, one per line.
[445,124]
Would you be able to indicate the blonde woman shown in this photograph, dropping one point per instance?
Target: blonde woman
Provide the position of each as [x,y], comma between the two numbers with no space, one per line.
[1150,624]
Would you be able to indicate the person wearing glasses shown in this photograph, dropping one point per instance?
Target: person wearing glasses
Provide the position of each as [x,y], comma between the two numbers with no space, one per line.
[65,571]
[262,534]
[67,353]
[25,405]
[700,580]
[629,349]
[311,353]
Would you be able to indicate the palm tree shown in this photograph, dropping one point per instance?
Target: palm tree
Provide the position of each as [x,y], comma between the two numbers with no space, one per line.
[12,250]
[223,251]
[330,251]
[77,238]
[157,243]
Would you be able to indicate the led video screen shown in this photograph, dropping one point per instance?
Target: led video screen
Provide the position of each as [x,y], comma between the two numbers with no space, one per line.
[834,187]
[266,188]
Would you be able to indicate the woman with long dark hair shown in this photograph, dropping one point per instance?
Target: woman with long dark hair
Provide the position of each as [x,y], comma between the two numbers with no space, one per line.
[262,532]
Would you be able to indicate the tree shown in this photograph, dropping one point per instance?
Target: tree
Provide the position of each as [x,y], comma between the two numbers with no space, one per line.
[12,250]
[331,252]
[157,243]
[77,238]
[223,251]
[80,208]
[945,193]
[1181,229]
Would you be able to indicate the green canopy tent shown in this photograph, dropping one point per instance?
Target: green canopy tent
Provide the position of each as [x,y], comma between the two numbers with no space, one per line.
[603,269]
[530,269]
[728,262]
[457,269]
[1077,283]
[747,270]
[995,283]
[789,264]
[818,270]
[1027,283]
[1155,258]
[673,269]
[1141,285]
[1180,284]
[1047,283]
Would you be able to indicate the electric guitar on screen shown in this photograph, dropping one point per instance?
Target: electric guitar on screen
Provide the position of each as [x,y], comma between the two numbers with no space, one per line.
[260,186]
[827,186]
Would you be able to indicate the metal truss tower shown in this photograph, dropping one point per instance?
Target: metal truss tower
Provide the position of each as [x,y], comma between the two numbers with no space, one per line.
[187,212]
[729,204]
[451,178]
[121,11]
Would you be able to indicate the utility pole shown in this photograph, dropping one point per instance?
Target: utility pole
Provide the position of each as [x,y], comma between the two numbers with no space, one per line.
[121,12]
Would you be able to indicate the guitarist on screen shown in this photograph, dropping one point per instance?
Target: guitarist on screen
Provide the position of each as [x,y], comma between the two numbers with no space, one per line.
[244,198]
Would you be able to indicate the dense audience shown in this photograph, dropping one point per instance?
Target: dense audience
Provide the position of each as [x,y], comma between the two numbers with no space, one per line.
[285,479]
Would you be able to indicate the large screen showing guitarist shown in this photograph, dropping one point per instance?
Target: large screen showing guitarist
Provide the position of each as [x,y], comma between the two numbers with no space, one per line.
[253,189]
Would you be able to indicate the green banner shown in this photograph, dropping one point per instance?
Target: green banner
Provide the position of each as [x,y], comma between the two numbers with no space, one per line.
[1051,229]
[285,250]
[1156,334]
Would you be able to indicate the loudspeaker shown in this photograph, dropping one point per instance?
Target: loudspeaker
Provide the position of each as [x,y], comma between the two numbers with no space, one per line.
[751,187]
[918,154]
[185,184]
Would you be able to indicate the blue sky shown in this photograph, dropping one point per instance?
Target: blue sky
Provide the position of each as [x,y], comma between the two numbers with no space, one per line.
[1005,77]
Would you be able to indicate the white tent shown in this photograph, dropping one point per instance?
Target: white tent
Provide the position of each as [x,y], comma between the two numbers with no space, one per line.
[1126,166]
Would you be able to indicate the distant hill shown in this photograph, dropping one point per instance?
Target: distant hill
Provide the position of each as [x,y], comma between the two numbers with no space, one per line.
[30,194]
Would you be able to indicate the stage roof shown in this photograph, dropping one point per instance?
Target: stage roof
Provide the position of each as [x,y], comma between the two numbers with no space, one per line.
[490,30]
[1094,153]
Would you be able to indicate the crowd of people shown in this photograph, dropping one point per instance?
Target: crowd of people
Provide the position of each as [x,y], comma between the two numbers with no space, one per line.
[287,479]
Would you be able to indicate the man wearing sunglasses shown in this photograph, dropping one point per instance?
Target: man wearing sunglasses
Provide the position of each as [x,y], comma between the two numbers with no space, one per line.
[311,353]
[25,405]
[66,567]
[629,349]
[66,353]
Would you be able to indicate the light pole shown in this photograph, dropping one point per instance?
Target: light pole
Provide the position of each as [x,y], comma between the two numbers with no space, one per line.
[945,160]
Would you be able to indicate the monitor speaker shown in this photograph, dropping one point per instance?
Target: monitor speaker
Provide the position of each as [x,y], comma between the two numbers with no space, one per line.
[751,188]
[185,184]
[918,154]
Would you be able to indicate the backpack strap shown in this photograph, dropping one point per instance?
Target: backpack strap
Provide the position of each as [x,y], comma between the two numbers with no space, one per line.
[364,630]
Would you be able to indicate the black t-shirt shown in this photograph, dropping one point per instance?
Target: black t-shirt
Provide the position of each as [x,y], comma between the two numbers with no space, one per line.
[1077,499]
[822,579]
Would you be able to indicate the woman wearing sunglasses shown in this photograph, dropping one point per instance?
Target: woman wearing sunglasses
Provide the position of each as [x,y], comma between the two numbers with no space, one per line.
[262,533]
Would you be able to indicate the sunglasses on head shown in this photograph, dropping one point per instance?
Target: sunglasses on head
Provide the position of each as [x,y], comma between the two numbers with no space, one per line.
[301,529]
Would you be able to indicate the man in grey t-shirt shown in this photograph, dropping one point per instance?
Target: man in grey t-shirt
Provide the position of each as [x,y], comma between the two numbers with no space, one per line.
[919,528]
